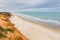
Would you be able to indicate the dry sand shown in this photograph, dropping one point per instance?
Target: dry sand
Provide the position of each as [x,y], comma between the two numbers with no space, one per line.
[34,31]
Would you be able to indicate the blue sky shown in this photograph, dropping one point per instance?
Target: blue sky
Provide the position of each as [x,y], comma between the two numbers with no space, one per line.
[30,5]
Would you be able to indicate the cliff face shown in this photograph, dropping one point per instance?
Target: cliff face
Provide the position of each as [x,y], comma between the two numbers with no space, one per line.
[9,32]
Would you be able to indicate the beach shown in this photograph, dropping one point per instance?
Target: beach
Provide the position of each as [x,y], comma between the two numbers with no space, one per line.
[35,31]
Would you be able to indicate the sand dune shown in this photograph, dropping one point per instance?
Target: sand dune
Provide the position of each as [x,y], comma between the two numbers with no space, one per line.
[34,31]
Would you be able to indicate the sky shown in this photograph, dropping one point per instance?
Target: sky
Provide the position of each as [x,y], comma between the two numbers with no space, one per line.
[30,5]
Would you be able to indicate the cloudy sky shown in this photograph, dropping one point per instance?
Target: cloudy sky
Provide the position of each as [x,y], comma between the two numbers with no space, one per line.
[30,5]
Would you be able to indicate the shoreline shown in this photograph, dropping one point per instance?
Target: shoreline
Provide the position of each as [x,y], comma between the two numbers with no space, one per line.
[39,21]
[43,24]
[35,31]
[52,27]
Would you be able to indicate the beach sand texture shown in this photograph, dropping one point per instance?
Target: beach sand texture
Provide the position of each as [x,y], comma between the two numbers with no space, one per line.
[34,31]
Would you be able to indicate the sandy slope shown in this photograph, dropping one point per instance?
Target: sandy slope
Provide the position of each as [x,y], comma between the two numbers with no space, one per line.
[34,31]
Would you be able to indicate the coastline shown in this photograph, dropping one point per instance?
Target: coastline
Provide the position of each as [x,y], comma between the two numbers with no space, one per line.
[45,23]
[52,27]
[35,31]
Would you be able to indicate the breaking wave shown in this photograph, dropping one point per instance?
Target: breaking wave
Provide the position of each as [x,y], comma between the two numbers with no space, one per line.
[40,20]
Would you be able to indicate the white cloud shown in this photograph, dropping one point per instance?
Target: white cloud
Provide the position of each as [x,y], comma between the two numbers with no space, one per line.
[55,9]
[29,1]
[2,3]
[29,5]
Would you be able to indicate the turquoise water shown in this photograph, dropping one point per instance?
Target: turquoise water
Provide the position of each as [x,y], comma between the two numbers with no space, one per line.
[47,18]
[44,15]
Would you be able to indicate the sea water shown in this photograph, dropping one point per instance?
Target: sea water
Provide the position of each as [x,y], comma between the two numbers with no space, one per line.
[46,17]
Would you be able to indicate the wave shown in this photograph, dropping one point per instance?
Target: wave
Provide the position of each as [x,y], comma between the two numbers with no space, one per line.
[40,20]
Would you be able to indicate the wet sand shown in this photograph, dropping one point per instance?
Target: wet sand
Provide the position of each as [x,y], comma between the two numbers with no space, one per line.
[35,31]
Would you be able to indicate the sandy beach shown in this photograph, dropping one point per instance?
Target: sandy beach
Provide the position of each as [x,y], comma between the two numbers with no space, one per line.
[35,31]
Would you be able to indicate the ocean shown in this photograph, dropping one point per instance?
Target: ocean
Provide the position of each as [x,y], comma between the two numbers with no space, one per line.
[52,18]
[44,15]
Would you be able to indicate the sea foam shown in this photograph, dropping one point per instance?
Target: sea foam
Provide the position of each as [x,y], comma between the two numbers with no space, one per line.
[40,20]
